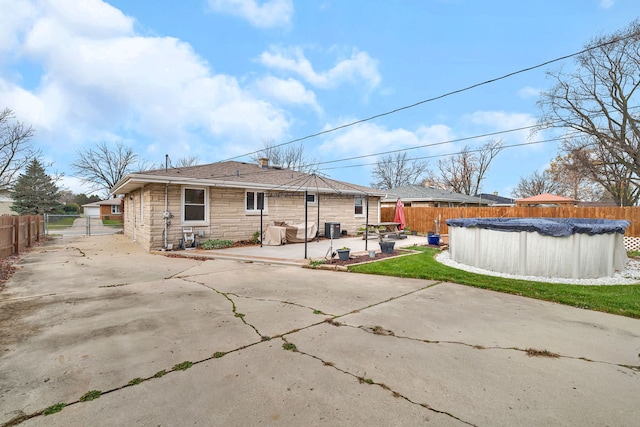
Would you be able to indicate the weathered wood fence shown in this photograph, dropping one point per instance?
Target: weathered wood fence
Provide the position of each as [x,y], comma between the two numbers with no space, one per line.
[423,219]
[19,232]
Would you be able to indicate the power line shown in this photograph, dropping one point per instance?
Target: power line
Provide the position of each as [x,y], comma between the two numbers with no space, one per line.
[444,95]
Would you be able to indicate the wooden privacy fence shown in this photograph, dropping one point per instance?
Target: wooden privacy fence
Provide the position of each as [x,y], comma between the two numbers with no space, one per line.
[19,232]
[422,218]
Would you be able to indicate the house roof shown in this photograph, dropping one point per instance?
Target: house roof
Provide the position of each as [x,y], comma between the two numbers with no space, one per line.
[546,199]
[420,193]
[116,201]
[242,175]
[495,199]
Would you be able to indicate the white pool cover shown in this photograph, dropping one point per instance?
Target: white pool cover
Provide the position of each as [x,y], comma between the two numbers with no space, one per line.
[577,248]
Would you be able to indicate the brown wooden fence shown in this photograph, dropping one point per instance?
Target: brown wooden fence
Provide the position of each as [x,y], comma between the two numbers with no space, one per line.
[422,218]
[19,232]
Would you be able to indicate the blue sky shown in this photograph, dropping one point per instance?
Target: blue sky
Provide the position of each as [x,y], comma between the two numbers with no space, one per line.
[217,78]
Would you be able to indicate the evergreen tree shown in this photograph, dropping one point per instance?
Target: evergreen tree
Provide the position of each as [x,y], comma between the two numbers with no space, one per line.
[35,192]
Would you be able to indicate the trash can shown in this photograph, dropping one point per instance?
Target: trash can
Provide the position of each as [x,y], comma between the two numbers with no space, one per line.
[332,227]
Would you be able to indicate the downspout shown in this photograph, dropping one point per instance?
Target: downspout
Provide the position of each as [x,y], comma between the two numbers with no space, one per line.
[165,215]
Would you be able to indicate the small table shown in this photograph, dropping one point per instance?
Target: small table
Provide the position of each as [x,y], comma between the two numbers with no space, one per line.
[383,229]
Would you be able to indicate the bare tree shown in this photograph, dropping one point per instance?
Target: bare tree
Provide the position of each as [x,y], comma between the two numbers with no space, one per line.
[15,148]
[600,166]
[535,184]
[187,161]
[573,181]
[105,166]
[598,102]
[396,170]
[464,172]
[289,157]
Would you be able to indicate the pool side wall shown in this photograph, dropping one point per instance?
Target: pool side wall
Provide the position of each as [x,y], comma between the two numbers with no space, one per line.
[579,256]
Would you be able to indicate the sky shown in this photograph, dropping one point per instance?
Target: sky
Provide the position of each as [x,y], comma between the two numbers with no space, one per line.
[217,79]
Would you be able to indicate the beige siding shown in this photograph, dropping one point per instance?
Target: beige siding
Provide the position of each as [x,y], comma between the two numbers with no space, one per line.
[227,217]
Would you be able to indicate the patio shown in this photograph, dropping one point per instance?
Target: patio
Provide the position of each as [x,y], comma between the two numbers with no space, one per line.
[294,253]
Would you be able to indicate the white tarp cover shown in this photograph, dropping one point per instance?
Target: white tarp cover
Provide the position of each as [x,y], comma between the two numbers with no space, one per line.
[279,233]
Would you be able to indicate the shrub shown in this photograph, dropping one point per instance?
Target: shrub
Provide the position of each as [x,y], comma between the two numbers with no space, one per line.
[216,244]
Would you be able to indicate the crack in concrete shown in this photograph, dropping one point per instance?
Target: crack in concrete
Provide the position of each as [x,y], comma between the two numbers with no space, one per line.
[362,379]
[295,304]
[379,330]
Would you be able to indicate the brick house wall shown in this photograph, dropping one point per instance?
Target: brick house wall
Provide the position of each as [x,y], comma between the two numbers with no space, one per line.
[144,222]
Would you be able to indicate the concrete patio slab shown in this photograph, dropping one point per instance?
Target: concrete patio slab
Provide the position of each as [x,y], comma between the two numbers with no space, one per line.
[97,313]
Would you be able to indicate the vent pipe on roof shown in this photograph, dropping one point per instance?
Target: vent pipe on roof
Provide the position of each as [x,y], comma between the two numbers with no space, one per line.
[263,162]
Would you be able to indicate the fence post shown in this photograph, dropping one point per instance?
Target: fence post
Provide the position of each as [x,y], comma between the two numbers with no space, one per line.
[16,235]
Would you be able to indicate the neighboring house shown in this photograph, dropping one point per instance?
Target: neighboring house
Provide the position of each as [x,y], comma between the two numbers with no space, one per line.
[5,203]
[105,209]
[233,200]
[546,199]
[421,196]
[495,200]
[91,209]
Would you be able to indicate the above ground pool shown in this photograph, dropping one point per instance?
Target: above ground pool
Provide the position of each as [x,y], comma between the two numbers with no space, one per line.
[575,248]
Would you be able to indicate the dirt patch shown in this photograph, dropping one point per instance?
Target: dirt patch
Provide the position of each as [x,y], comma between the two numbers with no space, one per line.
[366,258]
[7,268]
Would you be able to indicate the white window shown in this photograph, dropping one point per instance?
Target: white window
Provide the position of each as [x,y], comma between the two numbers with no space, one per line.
[115,209]
[195,205]
[255,201]
[358,206]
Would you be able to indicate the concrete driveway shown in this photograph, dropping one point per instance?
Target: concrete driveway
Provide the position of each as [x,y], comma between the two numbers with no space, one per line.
[281,345]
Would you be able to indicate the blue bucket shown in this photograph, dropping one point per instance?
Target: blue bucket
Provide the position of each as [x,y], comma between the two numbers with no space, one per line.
[433,239]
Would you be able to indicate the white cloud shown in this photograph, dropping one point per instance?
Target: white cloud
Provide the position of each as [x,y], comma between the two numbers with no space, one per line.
[529,92]
[268,14]
[606,4]
[102,81]
[370,138]
[358,67]
[287,92]
[500,120]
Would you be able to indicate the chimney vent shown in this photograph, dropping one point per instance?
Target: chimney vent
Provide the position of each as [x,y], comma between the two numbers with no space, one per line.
[263,162]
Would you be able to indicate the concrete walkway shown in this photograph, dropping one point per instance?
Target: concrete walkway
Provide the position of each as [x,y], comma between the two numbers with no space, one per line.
[294,253]
[274,344]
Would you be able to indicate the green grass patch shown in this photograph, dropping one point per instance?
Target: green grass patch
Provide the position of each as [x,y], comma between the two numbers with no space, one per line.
[116,222]
[216,244]
[289,346]
[182,366]
[54,408]
[135,381]
[623,300]
[160,374]
[90,395]
[633,253]
[61,221]
[218,354]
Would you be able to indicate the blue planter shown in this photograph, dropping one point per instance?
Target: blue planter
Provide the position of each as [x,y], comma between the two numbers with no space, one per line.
[343,254]
[433,239]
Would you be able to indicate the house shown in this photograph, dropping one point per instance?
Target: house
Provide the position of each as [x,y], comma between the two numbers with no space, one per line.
[421,196]
[496,200]
[546,199]
[233,200]
[105,209]
[6,201]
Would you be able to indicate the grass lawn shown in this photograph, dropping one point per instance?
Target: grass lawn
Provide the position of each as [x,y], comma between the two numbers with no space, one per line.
[61,221]
[115,222]
[616,299]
